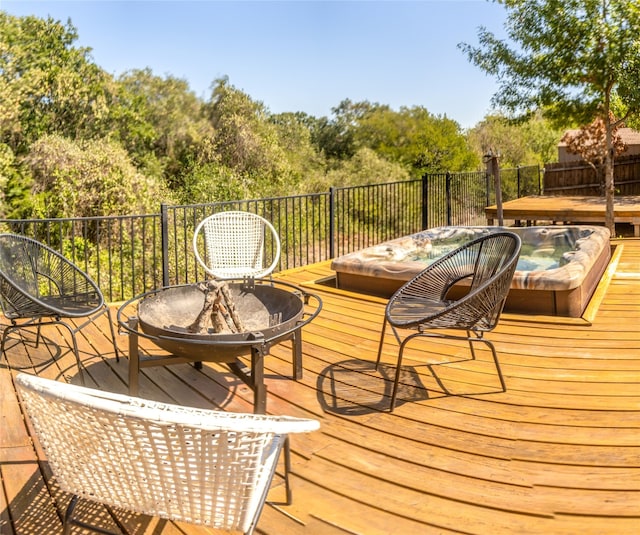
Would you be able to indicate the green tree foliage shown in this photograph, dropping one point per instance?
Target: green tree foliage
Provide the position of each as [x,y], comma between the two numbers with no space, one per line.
[294,136]
[246,141]
[251,150]
[7,160]
[333,140]
[415,138]
[159,117]
[533,142]
[14,203]
[365,167]
[211,181]
[571,58]
[87,178]
[47,84]
[411,137]
[75,141]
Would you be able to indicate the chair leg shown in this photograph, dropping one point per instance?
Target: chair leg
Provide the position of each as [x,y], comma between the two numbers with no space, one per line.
[76,351]
[69,521]
[495,360]
[68,516]
[471,340]
[38,332]
[16,327]
[396,381]
[113,334]
[384,326]
[106,310]
[287,469]
[5,333]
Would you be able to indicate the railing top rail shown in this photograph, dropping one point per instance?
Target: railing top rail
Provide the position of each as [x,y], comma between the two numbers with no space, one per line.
[263,200]
[78,219]
[366,186]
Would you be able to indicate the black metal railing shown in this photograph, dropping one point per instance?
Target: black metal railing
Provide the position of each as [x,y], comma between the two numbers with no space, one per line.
[129,255]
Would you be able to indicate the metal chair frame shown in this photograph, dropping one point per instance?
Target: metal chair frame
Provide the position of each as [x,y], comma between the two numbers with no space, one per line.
[39,286]
[423,304]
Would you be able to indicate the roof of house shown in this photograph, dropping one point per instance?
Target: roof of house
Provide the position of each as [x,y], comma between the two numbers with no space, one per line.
[629,136]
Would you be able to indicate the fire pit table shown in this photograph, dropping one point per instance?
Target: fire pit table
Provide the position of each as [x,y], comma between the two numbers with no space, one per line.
[272,311]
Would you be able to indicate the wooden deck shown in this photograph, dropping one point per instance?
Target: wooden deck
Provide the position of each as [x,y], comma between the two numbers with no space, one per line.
[557,453]
[568,209]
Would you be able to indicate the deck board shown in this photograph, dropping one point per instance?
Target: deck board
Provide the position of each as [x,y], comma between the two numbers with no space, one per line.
[558,452]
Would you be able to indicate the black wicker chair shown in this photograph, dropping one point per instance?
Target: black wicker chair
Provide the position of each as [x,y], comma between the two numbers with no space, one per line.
[39,286]
[481,270]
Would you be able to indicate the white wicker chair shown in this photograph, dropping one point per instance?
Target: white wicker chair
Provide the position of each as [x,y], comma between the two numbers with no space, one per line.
[236,245]
[194,465]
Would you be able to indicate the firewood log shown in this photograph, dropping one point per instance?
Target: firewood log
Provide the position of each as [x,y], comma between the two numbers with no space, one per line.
[231,309]
[218,311]
[204,318]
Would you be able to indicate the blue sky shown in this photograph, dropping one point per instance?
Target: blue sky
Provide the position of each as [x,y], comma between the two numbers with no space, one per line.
[296,55]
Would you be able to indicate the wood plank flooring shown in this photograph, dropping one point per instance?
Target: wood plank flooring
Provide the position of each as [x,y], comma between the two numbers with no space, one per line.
[557,453]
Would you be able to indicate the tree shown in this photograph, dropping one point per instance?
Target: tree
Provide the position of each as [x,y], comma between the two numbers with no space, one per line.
[159,114]
[88,178]
[246,141]
[590,143]
[534,142]
[47,85]
[571,58]
[294,137]
[364,167]
[412,137]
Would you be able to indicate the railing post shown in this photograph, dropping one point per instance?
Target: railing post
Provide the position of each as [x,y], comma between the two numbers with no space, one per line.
[487,178]
[448,193]
[164,230]
[425,201]
[332,225]
[518,181]
[539,181]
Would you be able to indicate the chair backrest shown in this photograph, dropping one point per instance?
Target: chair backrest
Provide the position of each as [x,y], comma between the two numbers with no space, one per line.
[236,245]
[193,465]
[36,281]
[486,264]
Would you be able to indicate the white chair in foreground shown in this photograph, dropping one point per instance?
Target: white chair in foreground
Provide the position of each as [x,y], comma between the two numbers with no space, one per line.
[186,464]
[236,245]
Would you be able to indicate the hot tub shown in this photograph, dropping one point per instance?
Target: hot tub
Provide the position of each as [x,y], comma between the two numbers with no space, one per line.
[558,271]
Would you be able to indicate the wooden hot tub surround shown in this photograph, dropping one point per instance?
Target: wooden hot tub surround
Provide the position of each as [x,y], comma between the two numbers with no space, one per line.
[561,291]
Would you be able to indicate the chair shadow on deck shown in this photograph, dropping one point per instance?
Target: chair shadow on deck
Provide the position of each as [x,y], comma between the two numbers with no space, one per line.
[38,508]
[356,387]
[25,352]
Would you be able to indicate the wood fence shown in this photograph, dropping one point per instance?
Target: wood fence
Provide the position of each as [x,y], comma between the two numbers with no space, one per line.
[579,178]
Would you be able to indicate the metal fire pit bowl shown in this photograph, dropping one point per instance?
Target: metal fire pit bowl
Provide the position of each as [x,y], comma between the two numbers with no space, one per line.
[266,312]
[272,311]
